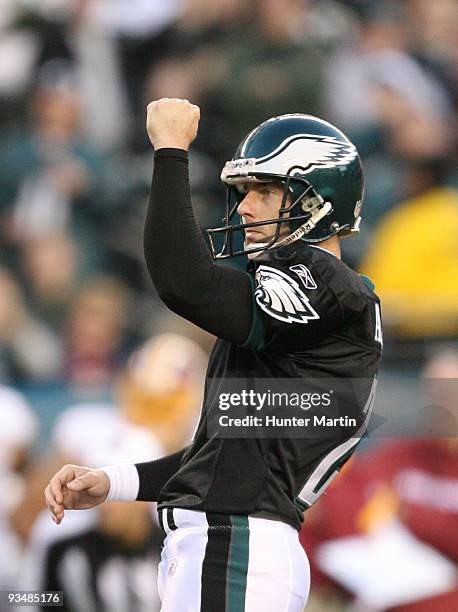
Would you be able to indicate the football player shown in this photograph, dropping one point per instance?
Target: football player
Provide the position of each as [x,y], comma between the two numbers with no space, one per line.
[232,506]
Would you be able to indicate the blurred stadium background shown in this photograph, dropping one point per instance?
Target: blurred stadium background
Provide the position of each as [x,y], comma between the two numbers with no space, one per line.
[93,369]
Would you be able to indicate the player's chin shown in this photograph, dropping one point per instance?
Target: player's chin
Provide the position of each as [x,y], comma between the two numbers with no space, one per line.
[253,237]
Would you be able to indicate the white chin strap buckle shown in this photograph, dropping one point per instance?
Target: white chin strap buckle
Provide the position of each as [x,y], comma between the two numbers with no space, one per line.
[308,225]
[316,217]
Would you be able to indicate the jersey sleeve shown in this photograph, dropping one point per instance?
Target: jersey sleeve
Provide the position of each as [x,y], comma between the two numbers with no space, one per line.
[154,474]
[296,303]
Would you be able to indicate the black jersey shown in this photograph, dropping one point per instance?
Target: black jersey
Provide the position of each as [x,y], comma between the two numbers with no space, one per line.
[314,318]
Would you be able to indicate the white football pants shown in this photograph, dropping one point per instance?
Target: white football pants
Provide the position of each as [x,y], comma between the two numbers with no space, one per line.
[230,563]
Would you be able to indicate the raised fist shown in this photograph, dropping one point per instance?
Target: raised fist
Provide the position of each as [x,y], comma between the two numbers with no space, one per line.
[172,123]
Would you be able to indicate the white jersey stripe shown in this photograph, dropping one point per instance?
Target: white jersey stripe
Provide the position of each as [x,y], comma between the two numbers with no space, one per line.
[308,495]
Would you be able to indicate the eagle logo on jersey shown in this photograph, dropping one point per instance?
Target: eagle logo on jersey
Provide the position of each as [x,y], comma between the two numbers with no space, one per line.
[281,296]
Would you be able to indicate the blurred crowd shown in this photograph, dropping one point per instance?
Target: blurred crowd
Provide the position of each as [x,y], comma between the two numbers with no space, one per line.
[82,333]
[104,559]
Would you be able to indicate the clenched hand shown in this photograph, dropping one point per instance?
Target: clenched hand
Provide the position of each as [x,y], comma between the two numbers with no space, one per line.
[172,123]
[77,488]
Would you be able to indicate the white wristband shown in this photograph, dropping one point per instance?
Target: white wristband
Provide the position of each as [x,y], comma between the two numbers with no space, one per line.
[124,482]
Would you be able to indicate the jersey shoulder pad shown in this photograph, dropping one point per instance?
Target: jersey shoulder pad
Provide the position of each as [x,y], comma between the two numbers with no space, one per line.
[287,287]
[352,291]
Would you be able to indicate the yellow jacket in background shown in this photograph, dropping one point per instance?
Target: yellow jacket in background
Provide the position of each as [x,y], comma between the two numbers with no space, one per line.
[413,260]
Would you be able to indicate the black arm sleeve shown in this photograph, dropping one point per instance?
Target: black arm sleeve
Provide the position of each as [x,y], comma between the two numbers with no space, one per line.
[154,474]
[216,298]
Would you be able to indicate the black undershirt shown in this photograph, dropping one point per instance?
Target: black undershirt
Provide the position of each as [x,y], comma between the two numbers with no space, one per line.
[216,298]
[154,474]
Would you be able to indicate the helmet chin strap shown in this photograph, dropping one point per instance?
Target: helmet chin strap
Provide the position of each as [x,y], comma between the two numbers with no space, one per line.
[256,253]
[304,229]
[307,227]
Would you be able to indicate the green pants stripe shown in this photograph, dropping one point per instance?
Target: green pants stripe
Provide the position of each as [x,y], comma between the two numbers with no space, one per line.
[237,568]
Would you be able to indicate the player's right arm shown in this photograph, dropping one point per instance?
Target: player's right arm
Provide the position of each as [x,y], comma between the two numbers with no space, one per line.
[216,298]
[75,487]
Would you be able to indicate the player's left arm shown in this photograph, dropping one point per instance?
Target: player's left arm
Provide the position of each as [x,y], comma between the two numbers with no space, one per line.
[79,488]
[216,298]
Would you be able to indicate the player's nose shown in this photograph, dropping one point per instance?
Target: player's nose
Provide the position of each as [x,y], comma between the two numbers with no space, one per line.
[246,206]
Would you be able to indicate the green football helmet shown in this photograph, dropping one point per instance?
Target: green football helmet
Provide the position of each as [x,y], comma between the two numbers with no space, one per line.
[321,172]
